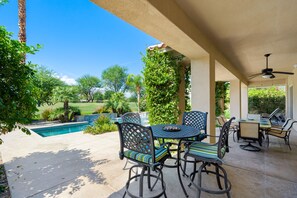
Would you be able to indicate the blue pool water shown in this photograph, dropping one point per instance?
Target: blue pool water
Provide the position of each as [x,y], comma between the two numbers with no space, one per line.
[59,130]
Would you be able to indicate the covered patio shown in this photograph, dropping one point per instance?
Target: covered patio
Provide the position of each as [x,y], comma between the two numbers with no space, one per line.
[80,165]
[224,41]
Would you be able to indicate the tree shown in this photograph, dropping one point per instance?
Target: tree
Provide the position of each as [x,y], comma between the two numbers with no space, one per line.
[87,86]
[115,78]
[135,83]
[108,94]
[118,104]
[65,94]
[17,95]
[45,82]
[22,20]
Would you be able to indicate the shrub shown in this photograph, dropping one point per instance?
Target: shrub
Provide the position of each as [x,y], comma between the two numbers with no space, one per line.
[58,114]
[118,104]
[102,109]
[265,100]
[45,115]
[101,125]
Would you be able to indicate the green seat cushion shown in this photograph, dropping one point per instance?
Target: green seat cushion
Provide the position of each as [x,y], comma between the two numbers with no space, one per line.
[160,153]
[205,150]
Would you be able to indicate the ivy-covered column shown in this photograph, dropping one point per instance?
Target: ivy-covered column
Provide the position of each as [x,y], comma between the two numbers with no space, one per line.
[181,93]
[203,90]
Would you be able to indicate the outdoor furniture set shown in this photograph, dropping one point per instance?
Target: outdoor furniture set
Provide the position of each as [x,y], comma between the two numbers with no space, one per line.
[256,128]
[139,145]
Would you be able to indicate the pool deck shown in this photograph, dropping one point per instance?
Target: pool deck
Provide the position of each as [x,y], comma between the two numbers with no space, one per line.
[83,165]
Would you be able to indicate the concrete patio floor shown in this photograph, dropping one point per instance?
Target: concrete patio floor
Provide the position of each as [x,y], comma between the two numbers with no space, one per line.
[81,165]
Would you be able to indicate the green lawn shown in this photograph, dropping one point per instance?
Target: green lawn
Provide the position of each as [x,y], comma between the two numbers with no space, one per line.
[85,108]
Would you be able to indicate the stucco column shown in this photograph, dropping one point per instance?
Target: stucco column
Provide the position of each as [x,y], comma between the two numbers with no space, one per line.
[203,90]
[295,96]
[235,98]
[244,100]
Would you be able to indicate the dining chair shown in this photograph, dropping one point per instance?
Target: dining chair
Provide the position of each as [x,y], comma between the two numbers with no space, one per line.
[132,118]
[221,120]
[211,155]
[250,131]
[283,132]
[198,120]
[137,145]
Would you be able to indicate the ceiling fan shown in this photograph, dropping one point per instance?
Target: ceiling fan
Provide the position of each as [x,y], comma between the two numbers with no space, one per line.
[268,72]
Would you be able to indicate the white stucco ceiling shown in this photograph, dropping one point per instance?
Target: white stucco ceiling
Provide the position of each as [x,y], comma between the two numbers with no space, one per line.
[245,30]
[237,33]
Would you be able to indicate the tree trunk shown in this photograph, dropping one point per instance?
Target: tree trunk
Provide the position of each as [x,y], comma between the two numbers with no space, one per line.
[138,98]
[22,22]
[66,110]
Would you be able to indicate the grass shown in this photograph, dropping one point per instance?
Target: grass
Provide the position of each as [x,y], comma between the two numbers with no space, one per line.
[85,108]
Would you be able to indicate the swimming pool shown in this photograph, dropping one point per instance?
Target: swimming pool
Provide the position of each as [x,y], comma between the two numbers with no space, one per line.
[59,130]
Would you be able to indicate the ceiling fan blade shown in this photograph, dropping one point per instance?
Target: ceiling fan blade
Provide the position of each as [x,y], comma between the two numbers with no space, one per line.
[280,72]
[254,76]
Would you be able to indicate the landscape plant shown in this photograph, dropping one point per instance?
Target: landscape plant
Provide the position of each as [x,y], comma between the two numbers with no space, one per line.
[65,94]
[135,83]
[118,104]
[45,81]
[114,78]
[102,125]
[87,86]
[266,100]
[17,93]
[161,82]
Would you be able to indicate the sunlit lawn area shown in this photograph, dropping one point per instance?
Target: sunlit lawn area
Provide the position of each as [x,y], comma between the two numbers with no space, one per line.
[86,108]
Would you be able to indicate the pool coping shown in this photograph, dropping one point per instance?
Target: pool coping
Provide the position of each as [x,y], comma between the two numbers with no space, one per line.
[56,124]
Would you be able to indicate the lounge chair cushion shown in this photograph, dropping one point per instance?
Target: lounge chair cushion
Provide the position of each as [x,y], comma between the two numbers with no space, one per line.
[160,153]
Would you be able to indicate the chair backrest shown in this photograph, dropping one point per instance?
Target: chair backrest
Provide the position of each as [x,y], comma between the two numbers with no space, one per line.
[288,124]
[220,121]
[249,130]
[223,139]
[136,137]
[131,117]
[196,119]
[274,112]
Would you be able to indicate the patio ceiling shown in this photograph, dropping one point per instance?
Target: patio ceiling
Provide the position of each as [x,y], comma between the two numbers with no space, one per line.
[244,31]
[237,34]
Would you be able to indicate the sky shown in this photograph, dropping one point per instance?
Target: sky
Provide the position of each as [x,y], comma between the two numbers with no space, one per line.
[78,37]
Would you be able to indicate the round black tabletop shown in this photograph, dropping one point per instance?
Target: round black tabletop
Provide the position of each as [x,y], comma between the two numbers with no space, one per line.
[185,131]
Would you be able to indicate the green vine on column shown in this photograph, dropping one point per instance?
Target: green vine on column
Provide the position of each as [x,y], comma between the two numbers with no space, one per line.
[161,81]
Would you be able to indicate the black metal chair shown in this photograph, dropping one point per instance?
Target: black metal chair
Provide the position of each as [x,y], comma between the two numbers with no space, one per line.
[137,145]
[221,120]
[196,119]
[250,131]
[211,154]
[132,118]
[283,132]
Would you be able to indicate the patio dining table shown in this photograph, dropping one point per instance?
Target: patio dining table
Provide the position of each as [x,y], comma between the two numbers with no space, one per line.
[182,132]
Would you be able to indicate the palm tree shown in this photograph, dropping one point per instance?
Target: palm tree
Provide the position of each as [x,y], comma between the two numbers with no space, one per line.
[22,22]
[136,83]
